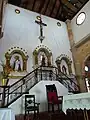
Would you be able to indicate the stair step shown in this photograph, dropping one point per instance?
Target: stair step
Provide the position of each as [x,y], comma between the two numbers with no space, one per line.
[44,116]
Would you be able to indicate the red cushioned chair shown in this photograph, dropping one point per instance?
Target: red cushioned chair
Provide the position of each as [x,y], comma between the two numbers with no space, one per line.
[52,97]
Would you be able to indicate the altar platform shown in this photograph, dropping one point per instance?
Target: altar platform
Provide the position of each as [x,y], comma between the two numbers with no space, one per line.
[6,114]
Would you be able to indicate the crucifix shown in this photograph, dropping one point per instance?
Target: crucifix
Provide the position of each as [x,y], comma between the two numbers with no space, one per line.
[41,37]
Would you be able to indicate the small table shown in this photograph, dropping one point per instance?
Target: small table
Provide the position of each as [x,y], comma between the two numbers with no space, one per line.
[6,114]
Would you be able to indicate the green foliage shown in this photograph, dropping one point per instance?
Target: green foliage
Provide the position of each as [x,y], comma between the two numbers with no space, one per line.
[4,74]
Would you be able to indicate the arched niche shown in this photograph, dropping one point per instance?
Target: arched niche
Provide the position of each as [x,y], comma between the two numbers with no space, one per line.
[63,62]
[13,55]
[86,72]
[86,67]
[41,51]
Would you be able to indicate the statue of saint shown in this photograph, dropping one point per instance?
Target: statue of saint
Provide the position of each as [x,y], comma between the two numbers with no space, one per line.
[43,61]
[64,69]
[17,64]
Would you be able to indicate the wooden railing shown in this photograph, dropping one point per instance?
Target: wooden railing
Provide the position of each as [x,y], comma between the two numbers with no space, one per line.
[22,86]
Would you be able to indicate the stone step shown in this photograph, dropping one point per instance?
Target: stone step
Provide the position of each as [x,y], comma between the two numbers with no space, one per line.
[43,116]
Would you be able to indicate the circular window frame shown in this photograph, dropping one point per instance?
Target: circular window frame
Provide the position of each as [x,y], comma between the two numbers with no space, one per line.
[78,16]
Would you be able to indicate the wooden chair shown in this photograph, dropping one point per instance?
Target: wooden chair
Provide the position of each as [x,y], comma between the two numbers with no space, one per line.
[53,98]
[31,105]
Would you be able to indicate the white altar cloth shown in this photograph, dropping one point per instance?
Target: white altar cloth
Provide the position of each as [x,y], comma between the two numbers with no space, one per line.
[76,101]
[6,114]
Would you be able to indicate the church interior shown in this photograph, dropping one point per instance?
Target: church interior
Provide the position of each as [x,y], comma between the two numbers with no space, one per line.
[44,59]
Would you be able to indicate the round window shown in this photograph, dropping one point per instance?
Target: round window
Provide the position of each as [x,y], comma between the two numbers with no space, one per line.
[80,18]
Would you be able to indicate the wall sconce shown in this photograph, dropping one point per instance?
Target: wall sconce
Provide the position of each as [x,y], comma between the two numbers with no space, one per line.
[58,24]
[17,11]
[38,17]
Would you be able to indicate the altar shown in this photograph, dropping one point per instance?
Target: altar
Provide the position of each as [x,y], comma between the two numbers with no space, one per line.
[76,101]
[6,114]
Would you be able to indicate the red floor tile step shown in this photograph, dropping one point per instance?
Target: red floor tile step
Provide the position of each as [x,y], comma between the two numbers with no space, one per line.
[43,116]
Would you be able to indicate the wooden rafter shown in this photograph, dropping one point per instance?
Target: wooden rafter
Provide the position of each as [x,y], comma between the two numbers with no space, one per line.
[53,7]
[75,4]
[80,8]
[62,15]
[46,6]
[68,9]
[67,14]
[41,6]
[69,5]
[33,5]
[80,1]
[25,4]
[59,9]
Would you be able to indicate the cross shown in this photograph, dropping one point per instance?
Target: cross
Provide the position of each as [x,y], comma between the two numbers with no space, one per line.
[41,37]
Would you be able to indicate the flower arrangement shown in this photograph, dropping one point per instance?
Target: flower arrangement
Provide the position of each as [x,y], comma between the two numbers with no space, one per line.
[4,73]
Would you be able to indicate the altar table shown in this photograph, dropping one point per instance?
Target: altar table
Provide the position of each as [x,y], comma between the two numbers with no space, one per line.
[76,101]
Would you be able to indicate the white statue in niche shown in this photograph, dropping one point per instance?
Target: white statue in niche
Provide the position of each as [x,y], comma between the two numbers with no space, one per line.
[42,59]
[64,67]
[16,63]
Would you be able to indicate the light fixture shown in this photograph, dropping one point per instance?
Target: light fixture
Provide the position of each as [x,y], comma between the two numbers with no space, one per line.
[58,23]
[17,11]
[38,17]
[86,68]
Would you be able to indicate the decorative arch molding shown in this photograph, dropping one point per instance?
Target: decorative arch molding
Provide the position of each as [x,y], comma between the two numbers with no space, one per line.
[86,62]
[88,55]
[19,51]
[83,63]
[46,50]
[66,59]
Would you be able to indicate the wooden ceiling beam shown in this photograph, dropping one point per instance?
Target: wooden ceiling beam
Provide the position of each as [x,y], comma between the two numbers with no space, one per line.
[46,7]
[59,9]
[33,5]
[30,4]
[80,1]
[74,4]
[80,8]
[68,9]
[41,6]
[53,7]
[15,2]
[67,13]
[24,4]
[69,5]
